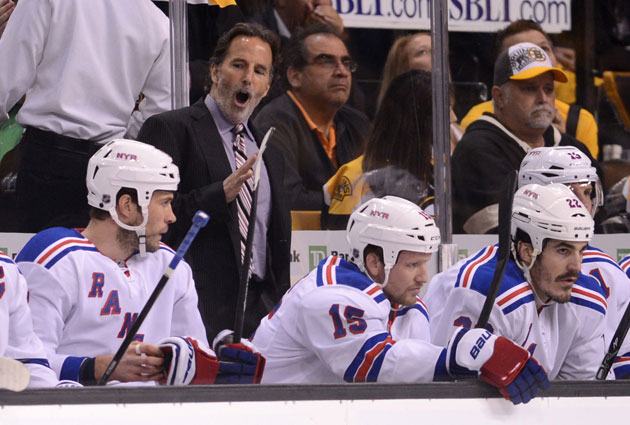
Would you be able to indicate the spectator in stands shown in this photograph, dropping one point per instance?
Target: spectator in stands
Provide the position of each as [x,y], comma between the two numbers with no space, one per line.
[6,8]
[397,159]
[413,51]
[82,87]
[315,128]
[202,139]
[495,144]
[284,17]
[574,120]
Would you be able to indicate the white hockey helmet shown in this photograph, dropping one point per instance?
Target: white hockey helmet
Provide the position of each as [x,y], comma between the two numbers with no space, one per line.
[394,224]
[561,164]
[135,165]
[550,212]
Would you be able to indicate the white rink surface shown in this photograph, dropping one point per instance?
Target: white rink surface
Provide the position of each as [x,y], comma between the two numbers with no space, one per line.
[540,411]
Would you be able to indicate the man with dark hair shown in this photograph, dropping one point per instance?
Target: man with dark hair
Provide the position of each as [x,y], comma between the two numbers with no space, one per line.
[315,128]
[362,321]
[543,302]
[87,288]
[215,146]
[571,119]
[495,144]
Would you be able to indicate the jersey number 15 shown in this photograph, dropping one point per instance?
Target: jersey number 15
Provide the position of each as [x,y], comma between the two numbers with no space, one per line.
[353,316]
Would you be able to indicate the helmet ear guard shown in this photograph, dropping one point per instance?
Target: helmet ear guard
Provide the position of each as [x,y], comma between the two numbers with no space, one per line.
[129,164]
[395,225]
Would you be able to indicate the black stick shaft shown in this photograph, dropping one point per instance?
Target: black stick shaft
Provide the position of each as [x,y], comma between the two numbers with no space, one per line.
[199,220]
[505,216]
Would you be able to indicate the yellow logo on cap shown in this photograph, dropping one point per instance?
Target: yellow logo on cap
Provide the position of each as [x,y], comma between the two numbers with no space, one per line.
[536,54]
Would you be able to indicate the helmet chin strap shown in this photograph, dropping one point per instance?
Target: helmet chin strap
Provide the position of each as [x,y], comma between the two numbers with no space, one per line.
[526,269]
[387,269]
[140,229]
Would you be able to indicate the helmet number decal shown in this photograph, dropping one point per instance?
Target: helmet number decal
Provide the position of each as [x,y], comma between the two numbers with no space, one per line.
[573,203]
[353,318]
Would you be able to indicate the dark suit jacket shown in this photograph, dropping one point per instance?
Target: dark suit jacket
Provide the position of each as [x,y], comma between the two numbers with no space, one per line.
[190,136]
[308,164]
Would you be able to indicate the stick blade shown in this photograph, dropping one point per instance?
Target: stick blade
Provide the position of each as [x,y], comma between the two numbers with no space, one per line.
[14,376]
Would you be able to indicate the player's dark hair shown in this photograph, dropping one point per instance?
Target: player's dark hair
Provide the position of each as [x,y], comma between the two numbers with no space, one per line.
[521,236]
[402,133]
[375,250]
[248,30]
[98,214]
[514,28]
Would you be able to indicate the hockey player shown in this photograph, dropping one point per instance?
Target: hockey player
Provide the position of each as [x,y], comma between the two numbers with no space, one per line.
[362,321]
[544,303]
[17,338]
[569,166]
[88,286]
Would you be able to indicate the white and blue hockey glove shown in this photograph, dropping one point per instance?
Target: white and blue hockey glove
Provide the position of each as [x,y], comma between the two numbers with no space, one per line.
[501,363]
[241,363]
[188,362]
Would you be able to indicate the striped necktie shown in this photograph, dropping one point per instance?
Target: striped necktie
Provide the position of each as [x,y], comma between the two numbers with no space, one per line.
[244,198]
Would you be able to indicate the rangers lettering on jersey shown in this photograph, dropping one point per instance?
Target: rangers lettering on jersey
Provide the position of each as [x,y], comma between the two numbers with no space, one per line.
[83,302]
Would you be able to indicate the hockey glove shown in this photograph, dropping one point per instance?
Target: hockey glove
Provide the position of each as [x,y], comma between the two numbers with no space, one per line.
[241,363]
[501,363]
[188,362]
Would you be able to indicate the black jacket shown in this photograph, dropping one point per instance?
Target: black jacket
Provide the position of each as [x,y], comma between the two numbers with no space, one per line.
[190,136]
[480,164]
[308,165]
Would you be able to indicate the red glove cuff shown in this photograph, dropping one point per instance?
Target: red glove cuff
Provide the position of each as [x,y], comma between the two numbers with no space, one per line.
[507,360]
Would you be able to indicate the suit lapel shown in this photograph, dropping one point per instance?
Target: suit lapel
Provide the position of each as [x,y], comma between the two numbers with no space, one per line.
[210,142]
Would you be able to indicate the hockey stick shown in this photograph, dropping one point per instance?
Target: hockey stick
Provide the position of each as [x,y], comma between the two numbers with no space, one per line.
[244,276]
[14,376]
[199,220]
[615,345]
[505,240]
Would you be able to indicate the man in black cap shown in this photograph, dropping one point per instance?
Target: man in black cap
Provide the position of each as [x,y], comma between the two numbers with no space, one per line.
[495,144]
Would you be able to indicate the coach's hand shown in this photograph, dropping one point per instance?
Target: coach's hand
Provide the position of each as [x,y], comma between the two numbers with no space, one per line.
[232,183]
[501,363]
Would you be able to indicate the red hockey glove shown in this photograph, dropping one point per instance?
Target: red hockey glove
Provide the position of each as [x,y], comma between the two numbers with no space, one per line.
[502,364]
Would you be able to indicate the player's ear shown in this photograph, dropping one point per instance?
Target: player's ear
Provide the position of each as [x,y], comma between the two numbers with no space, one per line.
[126,208]
[375,267]
[525,251]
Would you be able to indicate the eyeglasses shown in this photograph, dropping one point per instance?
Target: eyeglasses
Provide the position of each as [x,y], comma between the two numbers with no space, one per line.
[330,62]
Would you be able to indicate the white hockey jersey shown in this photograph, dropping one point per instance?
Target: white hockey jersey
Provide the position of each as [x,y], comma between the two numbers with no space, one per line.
[17,338]
[566,339]
[616,286]
[336,325]
[84,303]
